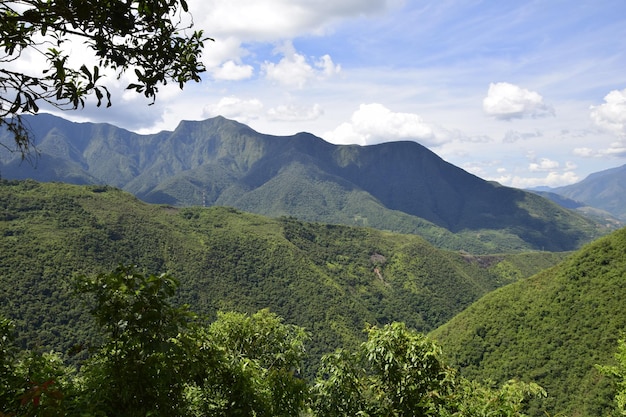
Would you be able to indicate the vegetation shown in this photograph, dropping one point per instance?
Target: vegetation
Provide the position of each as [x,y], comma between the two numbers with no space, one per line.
[552,329]
[159,360]
[618,373]
[146,36]
[331,280]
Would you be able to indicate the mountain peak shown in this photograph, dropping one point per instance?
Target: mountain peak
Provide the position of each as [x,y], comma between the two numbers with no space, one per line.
[400,186]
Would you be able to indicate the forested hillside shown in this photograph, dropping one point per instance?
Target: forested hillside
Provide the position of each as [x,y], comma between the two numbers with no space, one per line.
[329,279]
[153,358]
[552,328]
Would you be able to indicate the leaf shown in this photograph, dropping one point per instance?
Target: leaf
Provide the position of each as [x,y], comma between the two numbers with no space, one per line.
[85,71]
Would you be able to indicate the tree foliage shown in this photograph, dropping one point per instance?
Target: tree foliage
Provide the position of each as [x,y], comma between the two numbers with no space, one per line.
[325,278]
[144,364]
[159,360]
[153,38]
[618,373]
[258,367]
[396,372]
[552,329]
[399,372]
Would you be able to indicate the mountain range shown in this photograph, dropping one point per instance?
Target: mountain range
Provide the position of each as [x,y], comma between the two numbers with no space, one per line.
[396,186]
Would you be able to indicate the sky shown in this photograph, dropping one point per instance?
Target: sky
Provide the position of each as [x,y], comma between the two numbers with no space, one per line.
[526,93]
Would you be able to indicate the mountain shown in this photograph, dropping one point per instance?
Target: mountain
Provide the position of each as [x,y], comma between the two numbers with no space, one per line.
[397,186]
[605,190]
[609,220]
[330,279]
[552,328]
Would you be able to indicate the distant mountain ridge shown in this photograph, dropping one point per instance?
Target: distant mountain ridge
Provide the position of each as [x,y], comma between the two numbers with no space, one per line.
[398,186]
[605,190]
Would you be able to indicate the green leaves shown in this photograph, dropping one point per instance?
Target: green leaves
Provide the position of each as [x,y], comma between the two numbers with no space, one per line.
[259,366]
[240,365]
[132,305]
[140,34]
[395,372]
[155,361]
[618,374]
[142,367]
[399,372]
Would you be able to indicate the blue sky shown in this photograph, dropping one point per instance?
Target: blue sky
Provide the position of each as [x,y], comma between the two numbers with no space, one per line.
[526,93]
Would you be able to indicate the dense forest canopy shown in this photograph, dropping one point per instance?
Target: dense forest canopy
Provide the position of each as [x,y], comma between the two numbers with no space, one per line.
[160,360]
[552,328]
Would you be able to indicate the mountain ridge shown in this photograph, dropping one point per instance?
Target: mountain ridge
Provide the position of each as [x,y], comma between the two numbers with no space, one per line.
[398,186]
[605,190]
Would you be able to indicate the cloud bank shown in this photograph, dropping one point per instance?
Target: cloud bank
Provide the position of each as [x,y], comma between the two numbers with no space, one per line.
[272,20]
[243,110]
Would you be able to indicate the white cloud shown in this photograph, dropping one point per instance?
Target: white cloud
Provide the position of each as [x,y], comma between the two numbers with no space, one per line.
[612,114]
[543,165]
[552,179]
[272,20]
[293,113]
[230,71]
[615,149]
[242,110]
[326,65]
[374,123]
[236,26]
[584,152]
[508,101]
[223,49]
[293,70]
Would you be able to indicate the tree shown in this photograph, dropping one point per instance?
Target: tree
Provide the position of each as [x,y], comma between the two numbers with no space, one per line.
[149,352]
[477,400]
[8,384]
[256,365]
[159,360]
[399,372]
[32,383]
[396,372]
[152,38]
[618,373]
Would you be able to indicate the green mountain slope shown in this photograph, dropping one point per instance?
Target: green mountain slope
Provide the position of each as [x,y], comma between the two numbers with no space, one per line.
[398,186]
[330,279]
[551,328]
